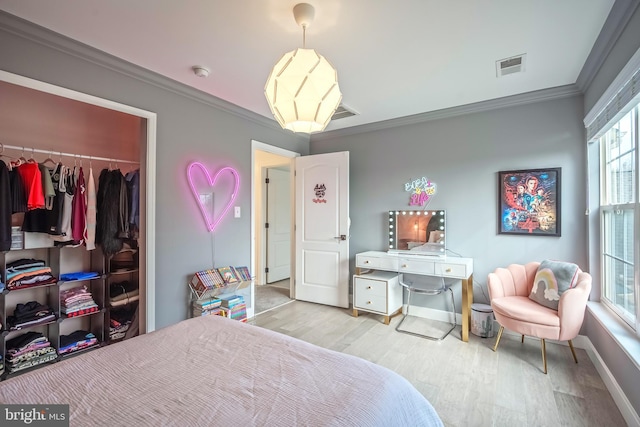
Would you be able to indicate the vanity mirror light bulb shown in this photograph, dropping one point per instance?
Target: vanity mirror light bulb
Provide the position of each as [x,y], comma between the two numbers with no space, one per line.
[391,233]
[390,225]
[417,213]
[391,240]
[404,213]
[441,213]
[441,219]
[411,213]
[397,212]
[441,227]
[390,246]
[390,219]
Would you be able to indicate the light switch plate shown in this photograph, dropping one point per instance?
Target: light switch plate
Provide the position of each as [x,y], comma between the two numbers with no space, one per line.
[236,211]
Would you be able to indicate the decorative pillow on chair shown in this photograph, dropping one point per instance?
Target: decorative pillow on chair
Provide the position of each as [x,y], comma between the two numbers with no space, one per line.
[552,280]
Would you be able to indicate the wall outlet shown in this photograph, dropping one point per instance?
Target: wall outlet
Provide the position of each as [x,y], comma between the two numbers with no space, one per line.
[236,211]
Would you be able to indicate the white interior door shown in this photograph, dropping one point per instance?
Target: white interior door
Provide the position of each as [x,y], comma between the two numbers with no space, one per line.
[279,230]
[322,229]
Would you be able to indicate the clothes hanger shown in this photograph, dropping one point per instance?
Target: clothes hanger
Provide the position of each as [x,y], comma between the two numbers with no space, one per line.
[5,155]
[31,159]
[21,159]
[49,160]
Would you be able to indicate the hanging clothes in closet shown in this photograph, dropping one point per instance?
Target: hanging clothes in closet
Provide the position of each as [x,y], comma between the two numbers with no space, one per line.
[114,202]
[5,210]
[64,202]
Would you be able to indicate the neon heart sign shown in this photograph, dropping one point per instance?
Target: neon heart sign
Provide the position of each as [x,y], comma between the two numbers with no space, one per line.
[210,222]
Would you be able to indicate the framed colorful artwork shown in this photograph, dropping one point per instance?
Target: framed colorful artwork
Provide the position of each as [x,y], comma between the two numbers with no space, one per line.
[529,202]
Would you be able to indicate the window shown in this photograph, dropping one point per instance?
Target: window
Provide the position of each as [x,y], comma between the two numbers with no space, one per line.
[619,212]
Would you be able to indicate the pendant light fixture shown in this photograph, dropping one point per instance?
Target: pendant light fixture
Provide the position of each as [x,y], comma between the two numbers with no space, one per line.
[302,89]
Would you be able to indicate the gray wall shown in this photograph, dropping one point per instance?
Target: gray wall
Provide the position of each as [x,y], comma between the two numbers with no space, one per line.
[188,130]
[621,366]
[462,155]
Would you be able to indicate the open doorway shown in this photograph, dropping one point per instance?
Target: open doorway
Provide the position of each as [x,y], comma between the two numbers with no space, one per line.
[272,226]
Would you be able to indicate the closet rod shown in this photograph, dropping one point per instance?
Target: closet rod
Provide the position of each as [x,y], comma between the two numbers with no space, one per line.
[51,153]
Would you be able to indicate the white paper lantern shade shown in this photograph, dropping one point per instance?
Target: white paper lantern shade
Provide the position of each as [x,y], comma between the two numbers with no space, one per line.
[302,91]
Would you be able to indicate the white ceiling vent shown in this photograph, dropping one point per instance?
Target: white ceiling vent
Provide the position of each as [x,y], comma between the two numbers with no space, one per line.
[512,65]
[343,112]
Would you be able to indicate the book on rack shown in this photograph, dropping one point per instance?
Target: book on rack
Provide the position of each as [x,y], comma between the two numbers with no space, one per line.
[228,274]
[200,312]
[231,300]
[244,274]
[237,312]
[208,303]
[206,280]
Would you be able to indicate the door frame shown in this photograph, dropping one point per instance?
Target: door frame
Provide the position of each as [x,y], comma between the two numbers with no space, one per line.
[148,190]
[258,199]
[264,256]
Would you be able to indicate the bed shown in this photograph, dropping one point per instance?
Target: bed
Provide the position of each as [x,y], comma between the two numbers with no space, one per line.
[216,371]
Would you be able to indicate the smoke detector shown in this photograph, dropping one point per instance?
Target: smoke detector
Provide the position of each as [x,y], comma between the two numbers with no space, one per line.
[512,65]
[201,71]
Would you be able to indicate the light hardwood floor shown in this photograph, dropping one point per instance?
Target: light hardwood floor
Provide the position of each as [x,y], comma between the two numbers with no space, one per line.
[467,383]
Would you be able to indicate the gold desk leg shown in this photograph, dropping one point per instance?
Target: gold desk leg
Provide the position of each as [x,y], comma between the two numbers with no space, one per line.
[467,300]
[386,320]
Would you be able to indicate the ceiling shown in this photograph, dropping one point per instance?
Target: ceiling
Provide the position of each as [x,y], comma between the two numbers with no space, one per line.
[394,59]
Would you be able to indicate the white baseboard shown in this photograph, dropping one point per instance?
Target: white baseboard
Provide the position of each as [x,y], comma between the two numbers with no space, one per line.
[432,314]
[628,413]
[581,342]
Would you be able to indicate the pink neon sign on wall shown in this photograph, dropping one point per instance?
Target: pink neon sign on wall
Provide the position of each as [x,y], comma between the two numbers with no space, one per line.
[212,223]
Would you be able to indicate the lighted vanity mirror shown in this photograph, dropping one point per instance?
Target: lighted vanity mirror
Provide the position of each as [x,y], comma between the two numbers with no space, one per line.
[419,232]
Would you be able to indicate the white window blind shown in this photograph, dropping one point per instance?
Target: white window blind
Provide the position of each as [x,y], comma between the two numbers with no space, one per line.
[621,96]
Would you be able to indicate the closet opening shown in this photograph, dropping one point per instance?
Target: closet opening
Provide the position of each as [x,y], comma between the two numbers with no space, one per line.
[50,125]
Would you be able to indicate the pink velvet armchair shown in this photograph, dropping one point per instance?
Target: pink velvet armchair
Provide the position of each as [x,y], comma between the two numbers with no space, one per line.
[509,290]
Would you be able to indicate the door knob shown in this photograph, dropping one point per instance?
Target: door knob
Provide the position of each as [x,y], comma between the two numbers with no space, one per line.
[341,237]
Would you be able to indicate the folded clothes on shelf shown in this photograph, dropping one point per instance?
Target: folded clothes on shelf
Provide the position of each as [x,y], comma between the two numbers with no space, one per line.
[27,350]
[30,314]
[77,340]
[25,273]
[77,302]
[79,275]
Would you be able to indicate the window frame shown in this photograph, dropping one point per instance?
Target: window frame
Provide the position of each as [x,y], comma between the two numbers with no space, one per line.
[634,322]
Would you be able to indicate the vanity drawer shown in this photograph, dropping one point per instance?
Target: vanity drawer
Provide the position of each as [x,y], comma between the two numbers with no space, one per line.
[452,270]
[373,262]
[364,286]
[416,266]
[368,302]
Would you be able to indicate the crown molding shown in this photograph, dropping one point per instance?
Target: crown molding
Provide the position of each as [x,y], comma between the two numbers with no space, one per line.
[477,107]
[45,37]
[619,16]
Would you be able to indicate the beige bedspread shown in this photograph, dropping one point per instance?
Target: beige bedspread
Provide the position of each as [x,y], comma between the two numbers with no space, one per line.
[212,371]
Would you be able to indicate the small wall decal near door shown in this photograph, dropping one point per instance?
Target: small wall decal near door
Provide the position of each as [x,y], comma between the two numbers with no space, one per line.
[422,190]
[319,189]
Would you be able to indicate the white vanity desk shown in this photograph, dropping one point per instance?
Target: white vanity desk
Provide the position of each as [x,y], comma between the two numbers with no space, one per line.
[425,265]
